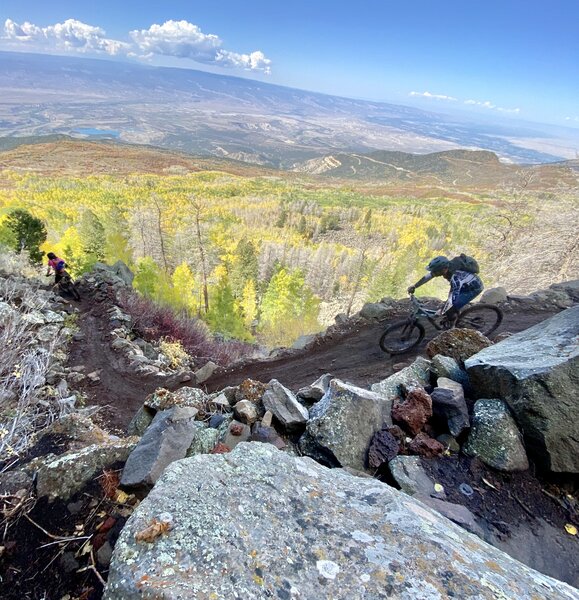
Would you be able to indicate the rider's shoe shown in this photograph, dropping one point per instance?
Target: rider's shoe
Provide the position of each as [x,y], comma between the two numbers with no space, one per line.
[448,323]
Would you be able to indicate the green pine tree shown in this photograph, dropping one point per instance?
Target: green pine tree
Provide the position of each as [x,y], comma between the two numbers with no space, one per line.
[29,233]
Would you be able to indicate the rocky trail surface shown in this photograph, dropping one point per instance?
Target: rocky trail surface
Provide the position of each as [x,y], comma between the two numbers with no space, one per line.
[350,353]
[435,429]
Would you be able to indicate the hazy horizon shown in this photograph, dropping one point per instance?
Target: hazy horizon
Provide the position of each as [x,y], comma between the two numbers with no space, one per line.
[515,60]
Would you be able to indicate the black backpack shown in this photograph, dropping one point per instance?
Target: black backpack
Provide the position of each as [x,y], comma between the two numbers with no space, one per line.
[464,263]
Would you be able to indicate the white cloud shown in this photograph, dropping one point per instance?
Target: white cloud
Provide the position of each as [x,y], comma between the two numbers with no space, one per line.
[574,119]
[185,40]
[255,61]
[491,106]
[179,39]
[72,35]
[433,96]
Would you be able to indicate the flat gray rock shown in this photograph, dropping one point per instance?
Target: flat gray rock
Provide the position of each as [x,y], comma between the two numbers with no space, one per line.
[284,406]
[167,439]
[257,523]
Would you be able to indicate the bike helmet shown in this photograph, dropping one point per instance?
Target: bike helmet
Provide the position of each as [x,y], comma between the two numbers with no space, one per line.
[51,255]
[437,265]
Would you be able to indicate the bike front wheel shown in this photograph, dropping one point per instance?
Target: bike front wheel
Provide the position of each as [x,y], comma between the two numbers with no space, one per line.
[401,337]
[483,317]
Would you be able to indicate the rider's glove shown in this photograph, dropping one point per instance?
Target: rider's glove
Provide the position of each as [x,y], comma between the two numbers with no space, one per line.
[411,289]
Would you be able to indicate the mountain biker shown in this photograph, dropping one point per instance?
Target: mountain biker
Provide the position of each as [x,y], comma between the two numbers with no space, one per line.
[465,285]
[57,264]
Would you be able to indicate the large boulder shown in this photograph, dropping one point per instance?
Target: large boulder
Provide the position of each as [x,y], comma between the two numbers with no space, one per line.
[343,423]
[536,372]
[257,523]
[494,437]
[167,439]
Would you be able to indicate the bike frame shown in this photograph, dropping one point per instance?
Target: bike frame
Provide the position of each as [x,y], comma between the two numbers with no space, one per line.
[421,313]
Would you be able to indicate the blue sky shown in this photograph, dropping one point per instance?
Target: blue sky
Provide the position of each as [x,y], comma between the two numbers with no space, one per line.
[510,58]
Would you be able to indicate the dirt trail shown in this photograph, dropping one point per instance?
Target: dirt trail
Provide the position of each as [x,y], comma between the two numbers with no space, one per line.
[353,356]
[119,392]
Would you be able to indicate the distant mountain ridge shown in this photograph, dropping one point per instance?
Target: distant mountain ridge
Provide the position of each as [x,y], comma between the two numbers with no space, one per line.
[208,114]
[449,172]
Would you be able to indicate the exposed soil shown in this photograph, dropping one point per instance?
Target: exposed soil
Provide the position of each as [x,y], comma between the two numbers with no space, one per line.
[57,550]
[353,356]
[119,393]
[522,515]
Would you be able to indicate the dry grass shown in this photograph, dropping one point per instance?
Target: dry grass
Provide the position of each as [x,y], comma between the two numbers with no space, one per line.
[25,407]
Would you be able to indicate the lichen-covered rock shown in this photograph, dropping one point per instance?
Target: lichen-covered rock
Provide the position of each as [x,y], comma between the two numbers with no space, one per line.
[284,406]
[65,475]
[249,389]
[257,523]
[417,374]
[162,399]
[167,439]
[445,366]
[536,372]
[459,344]
[79,430]
[204,441]
[494,437]
[343,423]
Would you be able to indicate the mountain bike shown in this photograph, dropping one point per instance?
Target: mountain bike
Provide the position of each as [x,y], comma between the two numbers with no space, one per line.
[67,285]
[408,333]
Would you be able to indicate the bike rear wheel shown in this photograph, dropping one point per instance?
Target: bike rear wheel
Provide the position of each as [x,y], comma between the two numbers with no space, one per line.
[401,336]
[67,286]
[483,317]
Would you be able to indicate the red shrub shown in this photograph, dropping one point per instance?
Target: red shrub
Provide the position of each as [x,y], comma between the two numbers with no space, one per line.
[153,322]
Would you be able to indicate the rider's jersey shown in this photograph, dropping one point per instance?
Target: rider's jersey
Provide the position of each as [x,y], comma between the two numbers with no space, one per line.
[56,263]
[463,287]
[462,281]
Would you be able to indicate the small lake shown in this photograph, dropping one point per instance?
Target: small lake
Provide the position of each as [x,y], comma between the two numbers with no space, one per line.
[97,132]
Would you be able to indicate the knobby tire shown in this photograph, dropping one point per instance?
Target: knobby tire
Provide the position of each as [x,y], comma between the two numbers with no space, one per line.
[68,287]
[492,317]
[401,337]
